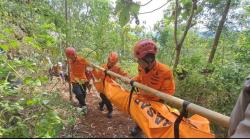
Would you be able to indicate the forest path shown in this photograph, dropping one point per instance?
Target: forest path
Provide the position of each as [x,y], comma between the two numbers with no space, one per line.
[95,124]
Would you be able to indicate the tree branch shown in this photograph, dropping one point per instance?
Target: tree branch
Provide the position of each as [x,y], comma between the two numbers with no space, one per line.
[146,3]
[156,8]
[218,32]
[94,50]
[175,22]
[194,2]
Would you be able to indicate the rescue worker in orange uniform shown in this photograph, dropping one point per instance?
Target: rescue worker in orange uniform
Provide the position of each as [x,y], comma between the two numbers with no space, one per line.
[78,78]
[112,66]
[151,73]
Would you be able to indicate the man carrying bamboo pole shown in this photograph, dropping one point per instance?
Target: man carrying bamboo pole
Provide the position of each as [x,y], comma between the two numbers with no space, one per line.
[77,76]
[151,73]
[112,66]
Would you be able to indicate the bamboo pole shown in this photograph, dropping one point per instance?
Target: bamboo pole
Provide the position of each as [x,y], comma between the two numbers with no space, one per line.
[216,117]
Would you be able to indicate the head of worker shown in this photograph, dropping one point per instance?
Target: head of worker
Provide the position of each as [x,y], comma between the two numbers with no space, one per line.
[70,53]
[112,59]
[144,52]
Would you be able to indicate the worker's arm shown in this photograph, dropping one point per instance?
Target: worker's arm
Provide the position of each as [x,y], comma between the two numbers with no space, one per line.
[168,84]
[89,66]
[243,128]
[240,116]
[121,72]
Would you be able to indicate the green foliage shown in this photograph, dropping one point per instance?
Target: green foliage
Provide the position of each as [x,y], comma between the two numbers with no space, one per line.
[130,67]
[21,110]
[124,9]
[49,125]
[186,8]
[17,105]
[38,29]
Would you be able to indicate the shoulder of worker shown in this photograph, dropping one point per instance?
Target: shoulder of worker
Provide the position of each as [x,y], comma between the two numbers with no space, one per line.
[104,66]
[117,66]
[82,59]
[163,70]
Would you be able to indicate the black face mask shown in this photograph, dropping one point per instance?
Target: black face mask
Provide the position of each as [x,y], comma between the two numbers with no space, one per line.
[149,59]
[109,67]
[147,70]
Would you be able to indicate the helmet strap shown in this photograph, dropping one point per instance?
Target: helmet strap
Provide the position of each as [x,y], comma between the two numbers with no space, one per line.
[110,65]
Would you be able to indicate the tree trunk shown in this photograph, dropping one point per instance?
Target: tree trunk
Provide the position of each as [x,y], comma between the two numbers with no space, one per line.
[177,57]
[218,32]
[66,20]
[175,23]
[176,61]
[178,45]
[123,41]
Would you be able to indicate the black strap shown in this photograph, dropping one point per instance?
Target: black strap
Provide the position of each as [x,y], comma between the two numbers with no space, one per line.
[132,83]
[177,122]
[106,72]
[131,93]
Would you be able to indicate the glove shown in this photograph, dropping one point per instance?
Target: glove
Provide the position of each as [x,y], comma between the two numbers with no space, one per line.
[66,76]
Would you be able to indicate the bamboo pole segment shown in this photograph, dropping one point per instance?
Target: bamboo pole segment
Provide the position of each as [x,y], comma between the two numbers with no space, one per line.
[216,117]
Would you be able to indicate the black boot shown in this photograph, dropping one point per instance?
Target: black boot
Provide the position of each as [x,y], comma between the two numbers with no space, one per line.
[81,101]
[101,106]
[109,114]
[135,130]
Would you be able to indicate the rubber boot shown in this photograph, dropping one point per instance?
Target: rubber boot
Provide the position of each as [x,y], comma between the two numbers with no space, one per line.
[80,98]
[101,106]
[135,130]
[109,114]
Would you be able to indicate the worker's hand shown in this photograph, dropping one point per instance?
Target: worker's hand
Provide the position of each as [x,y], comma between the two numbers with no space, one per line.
[90,68]
[247,85]
[66,76]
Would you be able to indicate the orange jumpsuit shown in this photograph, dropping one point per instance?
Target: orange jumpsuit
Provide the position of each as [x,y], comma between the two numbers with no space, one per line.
[160,77]
[77,70]
[99,85]
[78,78]
[99,76]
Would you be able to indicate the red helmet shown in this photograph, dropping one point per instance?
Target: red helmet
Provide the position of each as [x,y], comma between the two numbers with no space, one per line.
[144,47]
[70,51]
[113,57]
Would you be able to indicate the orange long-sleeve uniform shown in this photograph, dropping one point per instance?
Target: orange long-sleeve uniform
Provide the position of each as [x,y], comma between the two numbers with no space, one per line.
[99,75]
[115,69]
[160,77]
[77,70]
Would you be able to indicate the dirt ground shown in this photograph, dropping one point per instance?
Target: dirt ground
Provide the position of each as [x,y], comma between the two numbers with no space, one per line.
[95,124]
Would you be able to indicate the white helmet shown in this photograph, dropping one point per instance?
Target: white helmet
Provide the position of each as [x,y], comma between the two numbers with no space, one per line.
[59,64]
